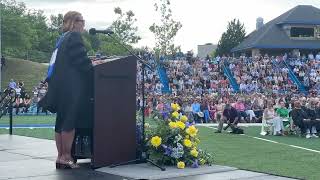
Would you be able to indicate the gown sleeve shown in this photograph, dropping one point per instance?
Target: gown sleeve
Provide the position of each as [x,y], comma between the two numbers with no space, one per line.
[77,53]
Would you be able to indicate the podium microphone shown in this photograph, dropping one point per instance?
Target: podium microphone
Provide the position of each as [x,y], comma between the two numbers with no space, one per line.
[108,32]
[93,31]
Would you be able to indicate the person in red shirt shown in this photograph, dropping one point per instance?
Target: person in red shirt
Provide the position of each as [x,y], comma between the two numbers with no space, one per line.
[240,107]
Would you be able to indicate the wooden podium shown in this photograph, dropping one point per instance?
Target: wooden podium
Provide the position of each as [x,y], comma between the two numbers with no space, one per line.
[114,125]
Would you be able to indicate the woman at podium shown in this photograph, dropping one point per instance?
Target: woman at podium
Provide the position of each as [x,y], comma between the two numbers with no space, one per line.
[72,79]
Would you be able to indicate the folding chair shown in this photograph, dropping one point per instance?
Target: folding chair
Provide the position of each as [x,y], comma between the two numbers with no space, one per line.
[266,127]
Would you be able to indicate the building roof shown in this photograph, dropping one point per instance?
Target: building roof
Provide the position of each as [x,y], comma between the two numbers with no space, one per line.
[272,36]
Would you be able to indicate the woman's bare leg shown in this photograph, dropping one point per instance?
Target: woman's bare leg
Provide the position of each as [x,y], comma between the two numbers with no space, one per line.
[67,141]
[58,139]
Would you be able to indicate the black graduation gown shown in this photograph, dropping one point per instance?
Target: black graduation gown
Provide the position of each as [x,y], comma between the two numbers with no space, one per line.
[72,80]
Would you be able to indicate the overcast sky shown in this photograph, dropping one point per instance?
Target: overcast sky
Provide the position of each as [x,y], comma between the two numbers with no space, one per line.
[203,21]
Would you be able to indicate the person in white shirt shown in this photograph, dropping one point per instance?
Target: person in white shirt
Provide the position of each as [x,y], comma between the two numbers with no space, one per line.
[158,88]
[318,56]
[181,85]
[242,87]
[35,91]
[310,56]
[18,91]
[313,73]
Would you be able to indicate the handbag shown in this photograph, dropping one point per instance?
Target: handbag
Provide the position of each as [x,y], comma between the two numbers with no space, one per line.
[49,101]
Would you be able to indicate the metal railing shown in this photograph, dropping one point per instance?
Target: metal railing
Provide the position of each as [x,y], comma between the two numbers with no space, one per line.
[300,86]
[7,99]
[231,78]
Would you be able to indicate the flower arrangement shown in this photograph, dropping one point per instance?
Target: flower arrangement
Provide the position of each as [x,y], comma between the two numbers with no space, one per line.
[175,142]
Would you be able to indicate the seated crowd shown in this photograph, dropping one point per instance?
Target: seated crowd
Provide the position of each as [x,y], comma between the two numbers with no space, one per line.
[24,102]
[281,112]
[200,87]
[204,93]
[261,74]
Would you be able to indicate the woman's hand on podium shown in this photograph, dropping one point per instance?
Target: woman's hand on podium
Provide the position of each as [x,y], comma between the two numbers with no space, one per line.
[97,62]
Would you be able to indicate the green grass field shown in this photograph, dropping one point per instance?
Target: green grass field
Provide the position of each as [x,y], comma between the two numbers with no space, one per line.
[241,151]
[252,154]
[45,133]
[28,120]
[31,73]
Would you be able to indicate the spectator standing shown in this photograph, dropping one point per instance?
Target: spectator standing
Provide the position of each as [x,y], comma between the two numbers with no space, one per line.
[12,84]
[23,89]
[205,109]
[3,62]
[18,91]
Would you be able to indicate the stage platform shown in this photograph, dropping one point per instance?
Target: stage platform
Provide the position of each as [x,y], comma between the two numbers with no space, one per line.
[26,158]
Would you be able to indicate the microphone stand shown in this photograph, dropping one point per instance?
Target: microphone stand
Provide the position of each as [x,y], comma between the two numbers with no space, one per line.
[142,156]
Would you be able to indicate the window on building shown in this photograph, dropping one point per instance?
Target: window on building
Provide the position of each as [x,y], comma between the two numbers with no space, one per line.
[301,32]
[317,34]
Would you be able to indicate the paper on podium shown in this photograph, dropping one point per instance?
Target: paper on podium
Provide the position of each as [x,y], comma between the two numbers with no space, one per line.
[109,59]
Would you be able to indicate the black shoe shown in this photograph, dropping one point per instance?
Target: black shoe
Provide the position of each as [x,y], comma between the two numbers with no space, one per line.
[217,132]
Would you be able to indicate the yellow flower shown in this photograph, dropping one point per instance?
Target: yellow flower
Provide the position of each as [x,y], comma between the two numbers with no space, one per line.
[156,141]
[194,153]
[202,161]
[181,125]
[181,165]
[175,106]
[184,118]
[173,125]
[175,114]
[192,131]
[187,143]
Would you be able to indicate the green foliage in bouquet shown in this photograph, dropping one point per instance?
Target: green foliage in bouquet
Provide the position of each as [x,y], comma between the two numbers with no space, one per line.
[175,142]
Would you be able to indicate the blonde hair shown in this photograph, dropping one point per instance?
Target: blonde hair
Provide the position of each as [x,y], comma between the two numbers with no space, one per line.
[69,20]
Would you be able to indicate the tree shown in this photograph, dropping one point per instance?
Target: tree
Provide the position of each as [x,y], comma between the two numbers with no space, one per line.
[55,28]
[28,34]
[125,32]
[124,27]
[234,35]
[56,22]
[212,53]
[108,46]
[24,32]
[14,26]
[40,48]
[165,31]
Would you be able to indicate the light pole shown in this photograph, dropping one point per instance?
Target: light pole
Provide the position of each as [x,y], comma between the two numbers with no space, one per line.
[0,47]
